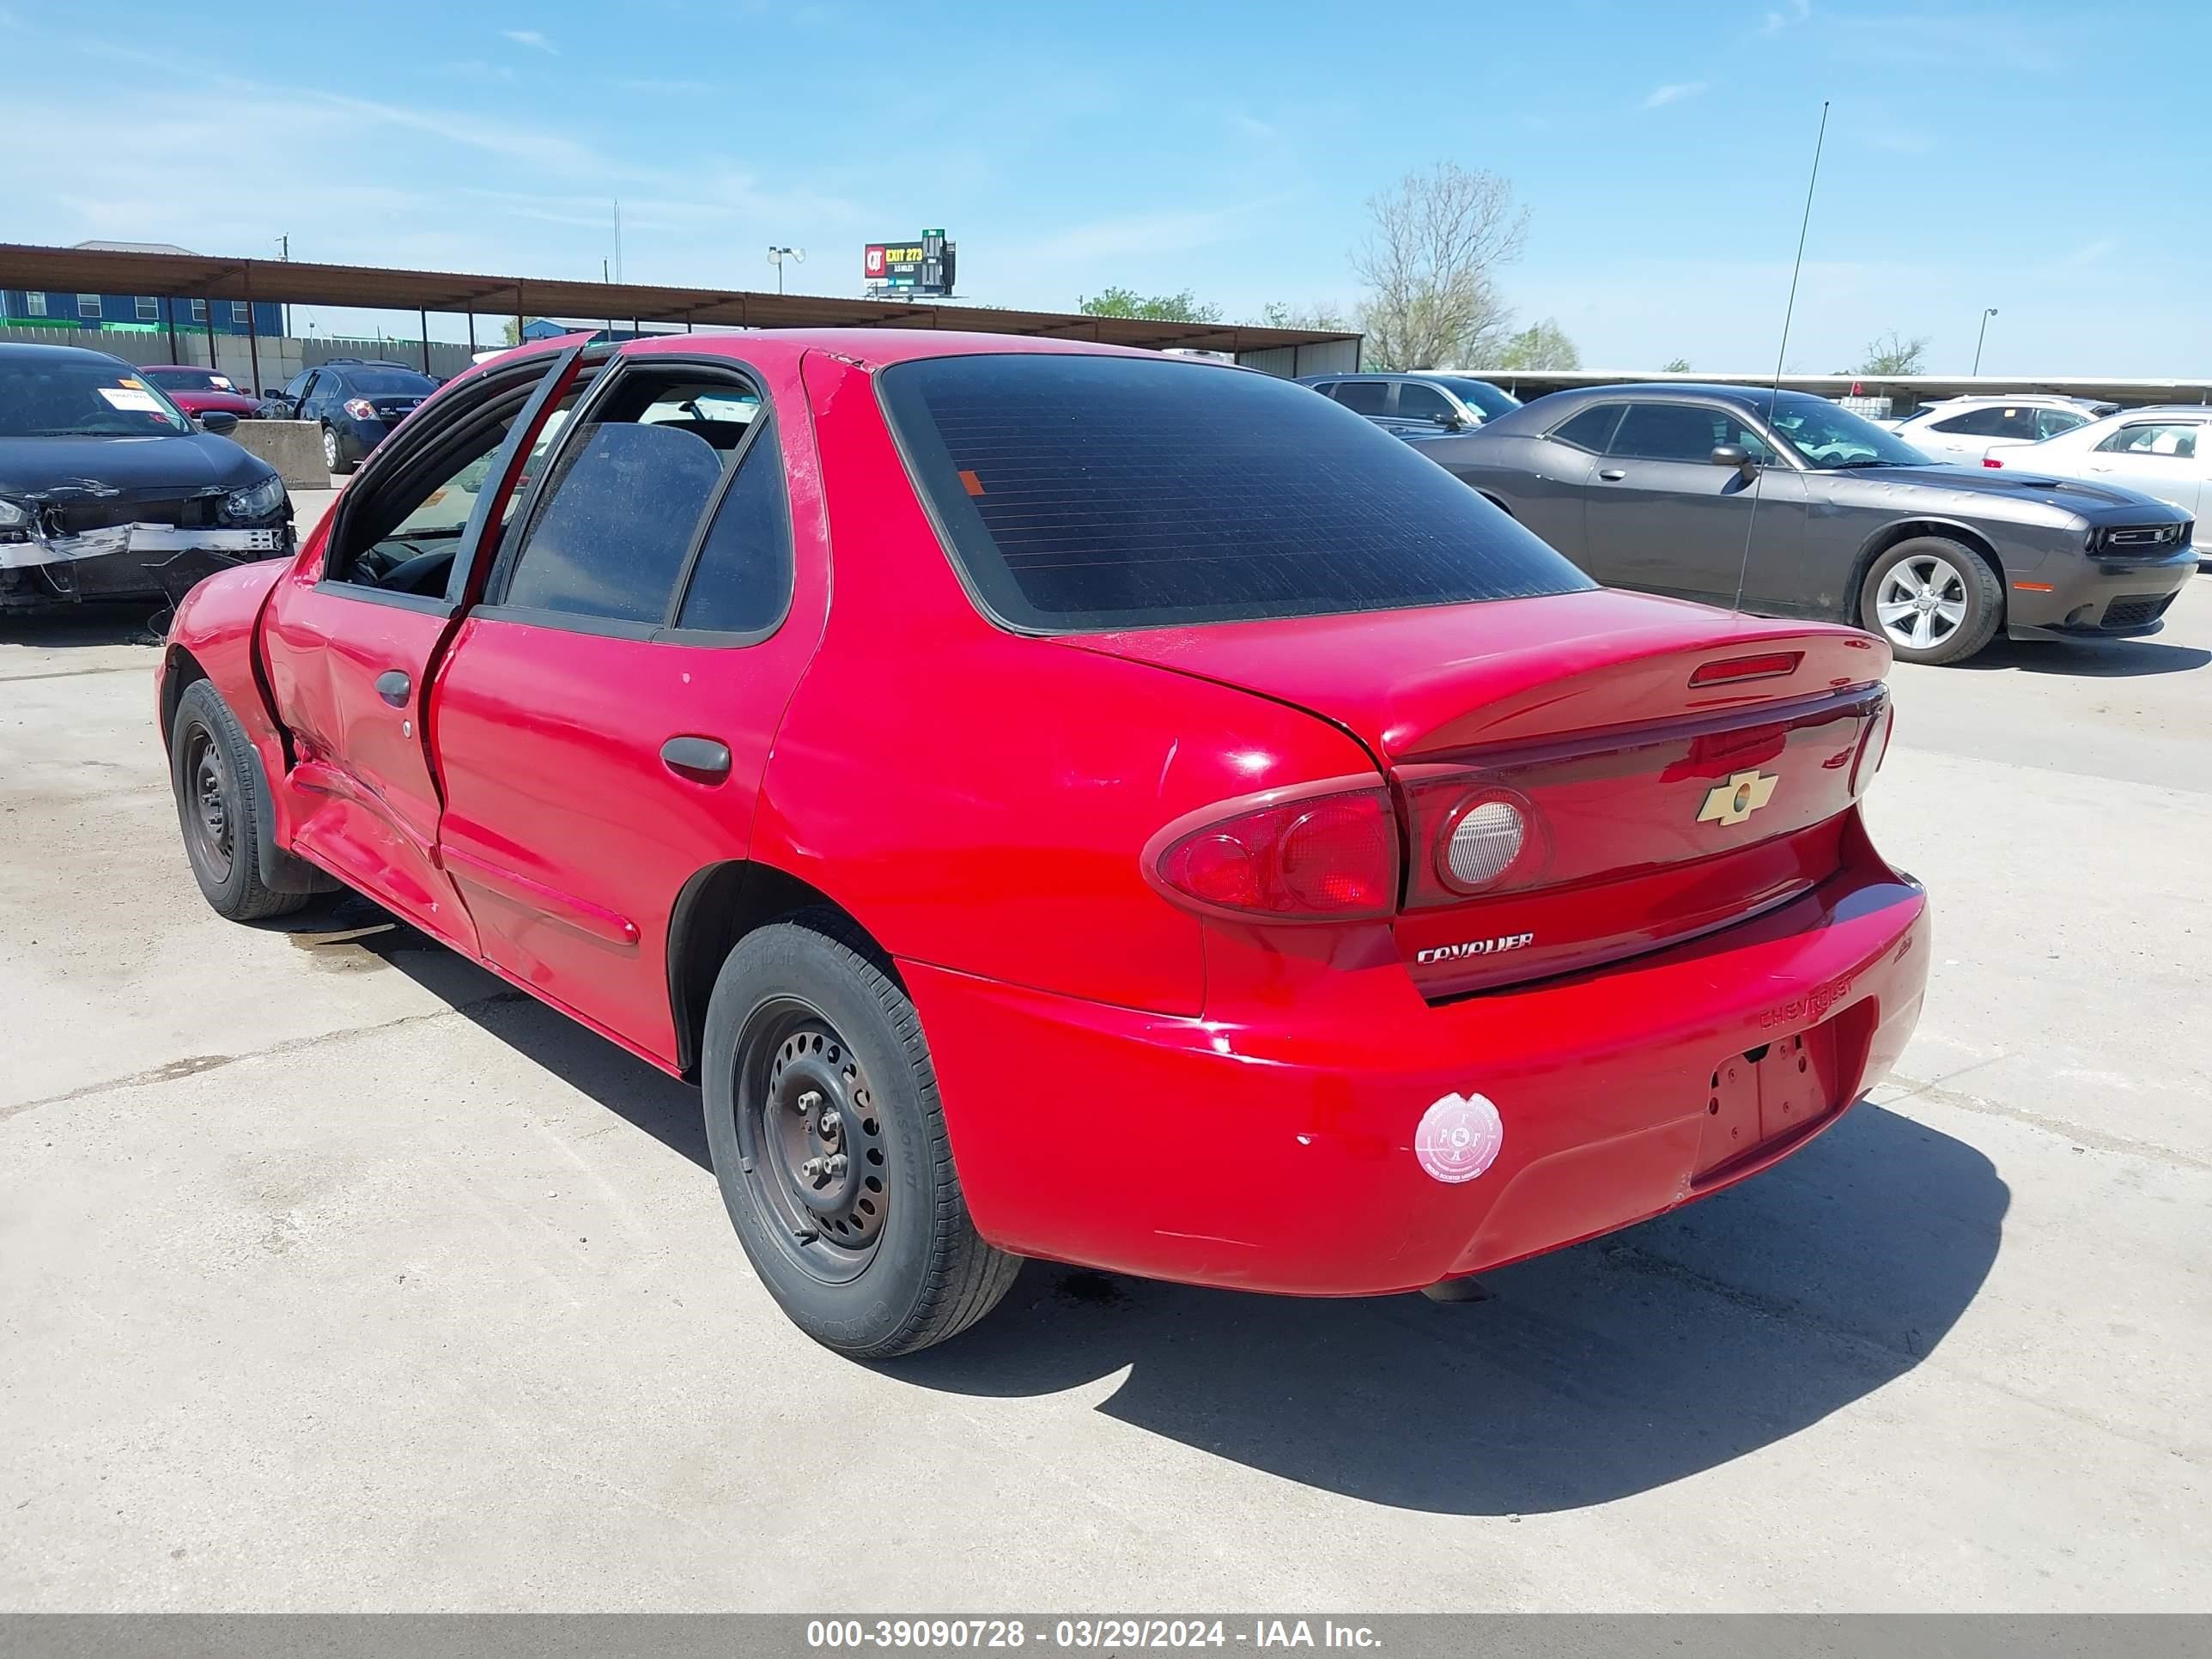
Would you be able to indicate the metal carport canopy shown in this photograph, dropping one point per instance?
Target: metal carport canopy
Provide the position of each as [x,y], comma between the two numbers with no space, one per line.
[291,282]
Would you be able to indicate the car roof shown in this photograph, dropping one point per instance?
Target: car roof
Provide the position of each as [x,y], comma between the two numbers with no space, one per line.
[2038,399]
[2163,412]
[876,347]
[26,352]
[1394,374]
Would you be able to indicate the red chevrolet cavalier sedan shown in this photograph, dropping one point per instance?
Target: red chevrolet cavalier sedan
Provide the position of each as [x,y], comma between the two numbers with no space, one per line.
[1066,802]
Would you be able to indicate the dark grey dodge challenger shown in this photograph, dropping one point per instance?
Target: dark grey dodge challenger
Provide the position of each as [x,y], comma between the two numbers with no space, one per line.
[1658,488]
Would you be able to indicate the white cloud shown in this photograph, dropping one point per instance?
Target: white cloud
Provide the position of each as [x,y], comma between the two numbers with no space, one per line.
[1673,92]
[532,39]
[1797,11]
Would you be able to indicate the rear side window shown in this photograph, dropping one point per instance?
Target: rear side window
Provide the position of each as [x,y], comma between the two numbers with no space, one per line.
[625,504]
[1081,492]
[2168,438]
[1592,429]
[1366,397]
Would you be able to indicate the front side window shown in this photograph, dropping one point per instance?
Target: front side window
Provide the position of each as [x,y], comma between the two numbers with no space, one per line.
[1425,403]
[623,508]
[2173,439]
[1683,431]
[1086,492]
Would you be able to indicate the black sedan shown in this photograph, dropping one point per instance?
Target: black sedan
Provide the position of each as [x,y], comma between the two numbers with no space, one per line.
[109,490]
[1806,510]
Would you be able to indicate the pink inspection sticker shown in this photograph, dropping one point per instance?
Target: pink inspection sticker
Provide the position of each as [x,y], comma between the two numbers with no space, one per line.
[1459,1138]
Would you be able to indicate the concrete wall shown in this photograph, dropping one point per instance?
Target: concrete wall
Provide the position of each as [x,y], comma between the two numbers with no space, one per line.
[294,449]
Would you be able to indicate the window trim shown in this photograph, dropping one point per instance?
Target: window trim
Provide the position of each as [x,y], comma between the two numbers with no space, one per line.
[242,311]
[99,307]
[199,311]
[467,549]
[625,366]
[148,307]
[35,302]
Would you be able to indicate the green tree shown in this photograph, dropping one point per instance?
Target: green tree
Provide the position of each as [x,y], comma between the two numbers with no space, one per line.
[1675,366]
[1540,345]
[1895,355]
[512,331]
[1183,308]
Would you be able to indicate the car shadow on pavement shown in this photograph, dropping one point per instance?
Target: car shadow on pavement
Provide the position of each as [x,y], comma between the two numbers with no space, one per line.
[1591,1374]
[2088,658]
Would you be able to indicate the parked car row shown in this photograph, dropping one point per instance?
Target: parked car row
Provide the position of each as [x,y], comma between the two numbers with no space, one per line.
[1788,505]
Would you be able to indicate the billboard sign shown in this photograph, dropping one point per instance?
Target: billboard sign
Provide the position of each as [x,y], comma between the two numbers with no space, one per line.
[910,265]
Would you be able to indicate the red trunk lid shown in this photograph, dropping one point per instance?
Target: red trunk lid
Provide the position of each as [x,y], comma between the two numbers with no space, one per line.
[1654,809]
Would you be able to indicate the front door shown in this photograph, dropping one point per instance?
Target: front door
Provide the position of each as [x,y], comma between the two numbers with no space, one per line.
[355,629]
[1663,518]
[603,720]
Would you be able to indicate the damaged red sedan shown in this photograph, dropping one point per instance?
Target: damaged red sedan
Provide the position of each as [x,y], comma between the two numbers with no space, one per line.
[1067,802]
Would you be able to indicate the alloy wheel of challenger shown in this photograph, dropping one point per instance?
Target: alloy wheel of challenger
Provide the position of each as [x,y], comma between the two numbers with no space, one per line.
[211,822]
[811,1142]
[1922,601]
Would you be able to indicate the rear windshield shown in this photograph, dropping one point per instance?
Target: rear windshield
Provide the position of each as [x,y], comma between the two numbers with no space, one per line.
[1086,492]
[390,382]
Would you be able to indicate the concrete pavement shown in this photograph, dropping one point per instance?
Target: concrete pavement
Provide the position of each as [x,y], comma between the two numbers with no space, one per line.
[341,1277]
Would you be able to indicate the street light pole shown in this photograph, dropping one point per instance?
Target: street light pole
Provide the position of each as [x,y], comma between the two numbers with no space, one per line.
[1981,336]
[776,257]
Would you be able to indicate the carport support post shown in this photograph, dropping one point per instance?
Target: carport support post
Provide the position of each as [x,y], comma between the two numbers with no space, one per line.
[472,336]
[422,322]
[208,318]
[253,332]
[169,316]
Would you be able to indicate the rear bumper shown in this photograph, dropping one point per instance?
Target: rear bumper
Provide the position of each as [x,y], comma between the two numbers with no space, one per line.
[1281,1157]
[2099,599]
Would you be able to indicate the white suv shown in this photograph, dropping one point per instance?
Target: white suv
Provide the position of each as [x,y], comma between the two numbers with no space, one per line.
[1961,430]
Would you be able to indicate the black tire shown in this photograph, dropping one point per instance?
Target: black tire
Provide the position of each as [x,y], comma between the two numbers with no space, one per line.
[334,455]
[1964,606]
[219,808]
[803,1009]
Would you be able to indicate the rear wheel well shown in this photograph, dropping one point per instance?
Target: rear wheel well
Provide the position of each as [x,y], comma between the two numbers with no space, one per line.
[181,669]
[719,906]
[1972,540]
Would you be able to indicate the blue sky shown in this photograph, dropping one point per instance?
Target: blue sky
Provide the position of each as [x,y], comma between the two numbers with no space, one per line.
[1224,148]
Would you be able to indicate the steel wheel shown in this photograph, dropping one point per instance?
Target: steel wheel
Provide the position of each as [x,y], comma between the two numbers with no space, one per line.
[1922,601]
[211,822]
[811,1145]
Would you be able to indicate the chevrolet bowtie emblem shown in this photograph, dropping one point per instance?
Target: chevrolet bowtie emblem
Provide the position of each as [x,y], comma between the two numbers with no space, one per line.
[1732,802]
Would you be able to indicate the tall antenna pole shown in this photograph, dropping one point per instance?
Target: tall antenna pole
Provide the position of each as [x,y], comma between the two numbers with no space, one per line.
[1789,311]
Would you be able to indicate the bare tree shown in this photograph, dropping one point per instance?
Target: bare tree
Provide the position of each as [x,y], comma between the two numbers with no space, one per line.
[1321,316]
[1431,250]
[1895,355]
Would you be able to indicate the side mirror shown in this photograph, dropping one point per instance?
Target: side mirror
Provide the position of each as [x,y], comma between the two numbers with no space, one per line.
[219,421]
[1734,455]
[1452,420]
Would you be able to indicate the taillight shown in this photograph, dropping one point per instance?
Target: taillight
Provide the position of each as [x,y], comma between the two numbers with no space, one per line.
[1330,856]
[361,409]
[1991,461]
[1873,745]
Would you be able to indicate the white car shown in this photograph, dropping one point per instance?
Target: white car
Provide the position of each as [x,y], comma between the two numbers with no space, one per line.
[1961,430]
[2166,452]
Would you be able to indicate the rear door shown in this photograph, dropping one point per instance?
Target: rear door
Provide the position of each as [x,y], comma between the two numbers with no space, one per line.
[353,633]
[603,720]
[1663,518]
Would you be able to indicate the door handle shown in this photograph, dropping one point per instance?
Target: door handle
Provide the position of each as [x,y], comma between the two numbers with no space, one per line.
[393,685]
[703,760]
[1613,475]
